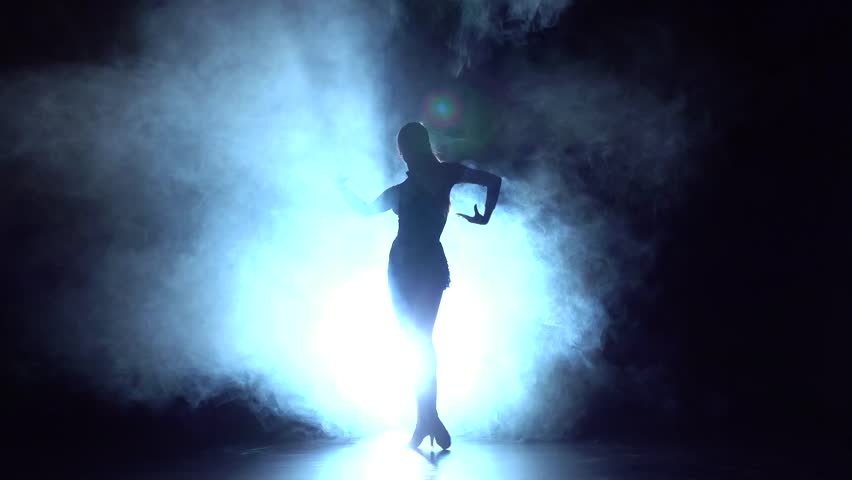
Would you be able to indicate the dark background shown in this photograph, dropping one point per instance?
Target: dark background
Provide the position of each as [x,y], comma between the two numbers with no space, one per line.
[743,316]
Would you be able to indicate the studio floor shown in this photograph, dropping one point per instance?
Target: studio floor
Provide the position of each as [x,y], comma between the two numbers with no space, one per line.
[386,457]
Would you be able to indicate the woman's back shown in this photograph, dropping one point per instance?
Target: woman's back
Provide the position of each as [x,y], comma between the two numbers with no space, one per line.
[423,202]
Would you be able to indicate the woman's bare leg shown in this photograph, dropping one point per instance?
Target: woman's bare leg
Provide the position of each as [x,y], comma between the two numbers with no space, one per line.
[423,323]
[416,306]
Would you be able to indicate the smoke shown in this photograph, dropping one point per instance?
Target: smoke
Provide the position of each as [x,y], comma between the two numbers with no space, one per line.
[484,23]
[219,254]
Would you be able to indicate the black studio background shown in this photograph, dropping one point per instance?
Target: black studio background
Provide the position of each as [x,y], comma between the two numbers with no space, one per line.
[743,318]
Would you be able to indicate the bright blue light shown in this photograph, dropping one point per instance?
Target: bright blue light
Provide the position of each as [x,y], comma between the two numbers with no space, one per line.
[277,287]
[343,343]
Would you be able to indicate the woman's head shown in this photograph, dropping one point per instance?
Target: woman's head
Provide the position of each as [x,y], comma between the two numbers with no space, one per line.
[414,145]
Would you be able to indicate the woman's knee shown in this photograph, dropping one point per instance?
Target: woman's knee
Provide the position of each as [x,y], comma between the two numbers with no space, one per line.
[421,342]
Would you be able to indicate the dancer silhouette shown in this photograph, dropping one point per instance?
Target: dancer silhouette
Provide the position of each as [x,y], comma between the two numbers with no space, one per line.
[418,272]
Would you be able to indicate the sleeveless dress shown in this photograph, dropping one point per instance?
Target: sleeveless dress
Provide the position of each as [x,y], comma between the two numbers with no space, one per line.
[417,262]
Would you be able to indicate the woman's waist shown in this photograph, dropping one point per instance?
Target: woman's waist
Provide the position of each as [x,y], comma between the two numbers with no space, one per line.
[418,239]
[419,257]
[417,246]
[421,230]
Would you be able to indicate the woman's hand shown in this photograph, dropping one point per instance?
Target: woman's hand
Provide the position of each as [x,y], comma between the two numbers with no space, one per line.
[477,217]
[387,200]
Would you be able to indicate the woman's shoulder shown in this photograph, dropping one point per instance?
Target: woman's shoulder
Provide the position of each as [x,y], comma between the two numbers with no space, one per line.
[453,171]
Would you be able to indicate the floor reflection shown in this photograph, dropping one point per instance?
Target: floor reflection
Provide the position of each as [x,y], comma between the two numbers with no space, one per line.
[387,457]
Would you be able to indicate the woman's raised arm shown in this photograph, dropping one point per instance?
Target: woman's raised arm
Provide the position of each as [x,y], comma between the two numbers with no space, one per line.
[489,181]
[384,202]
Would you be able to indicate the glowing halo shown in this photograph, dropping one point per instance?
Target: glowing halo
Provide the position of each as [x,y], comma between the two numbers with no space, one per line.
[442,109]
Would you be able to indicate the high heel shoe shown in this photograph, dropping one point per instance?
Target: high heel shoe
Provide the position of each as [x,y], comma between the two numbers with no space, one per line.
[437,434]
[441,435]
[420,433]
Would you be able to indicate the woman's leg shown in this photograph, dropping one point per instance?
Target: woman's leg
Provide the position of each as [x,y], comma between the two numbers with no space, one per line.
[419,325]
[426,312]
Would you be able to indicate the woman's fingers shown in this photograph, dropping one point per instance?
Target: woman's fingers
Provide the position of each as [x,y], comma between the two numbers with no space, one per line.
[478,219]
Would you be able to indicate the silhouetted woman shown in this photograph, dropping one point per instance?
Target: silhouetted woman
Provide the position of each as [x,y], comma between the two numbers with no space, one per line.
[417,268]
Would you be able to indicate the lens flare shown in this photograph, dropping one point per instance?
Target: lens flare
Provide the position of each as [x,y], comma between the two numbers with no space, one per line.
[442,110]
